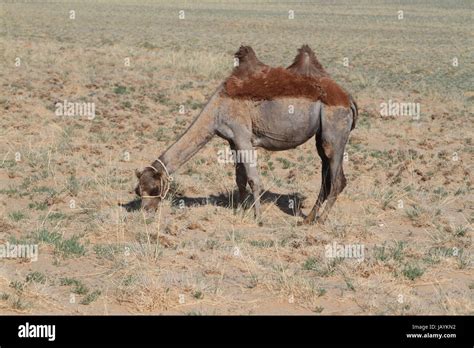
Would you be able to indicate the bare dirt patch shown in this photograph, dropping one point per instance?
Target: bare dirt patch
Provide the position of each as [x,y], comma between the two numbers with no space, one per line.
[408,200]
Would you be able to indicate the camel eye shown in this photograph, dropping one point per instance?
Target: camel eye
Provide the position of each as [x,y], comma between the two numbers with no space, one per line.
[155,191]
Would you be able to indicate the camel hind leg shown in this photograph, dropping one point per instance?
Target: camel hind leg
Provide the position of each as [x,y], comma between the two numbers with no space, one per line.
[336,126]
[325,182]
[334,133]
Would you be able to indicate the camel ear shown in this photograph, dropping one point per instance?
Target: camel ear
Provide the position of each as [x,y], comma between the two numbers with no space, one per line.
[138,173]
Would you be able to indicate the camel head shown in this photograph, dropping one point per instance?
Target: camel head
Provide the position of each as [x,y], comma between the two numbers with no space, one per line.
[152,187]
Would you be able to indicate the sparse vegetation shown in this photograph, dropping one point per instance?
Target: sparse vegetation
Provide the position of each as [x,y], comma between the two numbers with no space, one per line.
[17,285]
[36,277]
[69,247]
[91,297]
[77,286]
[17,216]
[66,180]
[412,271]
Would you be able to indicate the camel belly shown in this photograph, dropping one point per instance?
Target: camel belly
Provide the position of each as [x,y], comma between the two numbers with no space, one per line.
[285,123]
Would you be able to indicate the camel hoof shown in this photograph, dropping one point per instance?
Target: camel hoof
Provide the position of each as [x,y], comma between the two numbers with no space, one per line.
[320,220]
[306,221]
[148,214]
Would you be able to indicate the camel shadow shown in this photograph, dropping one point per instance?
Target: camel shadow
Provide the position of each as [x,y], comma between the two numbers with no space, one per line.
[132,206]
[290,204]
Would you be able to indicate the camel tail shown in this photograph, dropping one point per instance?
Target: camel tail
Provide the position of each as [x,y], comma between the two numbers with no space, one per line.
[355,112]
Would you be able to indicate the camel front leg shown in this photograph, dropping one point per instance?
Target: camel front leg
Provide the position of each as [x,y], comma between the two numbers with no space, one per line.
[245,154]
[240,176]
[325,183]
[254,182]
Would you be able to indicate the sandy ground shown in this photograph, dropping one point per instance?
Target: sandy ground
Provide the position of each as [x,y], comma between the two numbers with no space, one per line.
[408,202]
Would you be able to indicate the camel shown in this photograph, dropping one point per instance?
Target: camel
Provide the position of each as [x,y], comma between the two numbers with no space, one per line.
[272,108]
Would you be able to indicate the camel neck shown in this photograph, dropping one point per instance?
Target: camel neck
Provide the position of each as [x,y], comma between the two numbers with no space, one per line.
[199,133]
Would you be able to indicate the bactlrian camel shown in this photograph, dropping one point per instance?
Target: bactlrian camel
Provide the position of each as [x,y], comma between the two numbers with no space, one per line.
[251,109]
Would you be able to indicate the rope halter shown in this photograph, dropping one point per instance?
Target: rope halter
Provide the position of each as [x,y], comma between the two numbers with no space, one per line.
[165,182]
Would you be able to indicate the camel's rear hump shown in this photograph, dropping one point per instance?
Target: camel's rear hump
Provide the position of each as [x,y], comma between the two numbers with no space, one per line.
[306,63]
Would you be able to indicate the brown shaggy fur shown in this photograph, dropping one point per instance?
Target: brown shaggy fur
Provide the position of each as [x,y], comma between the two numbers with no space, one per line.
[306,63]
[306,79]
[334,94]
[279,82]
[275,82]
